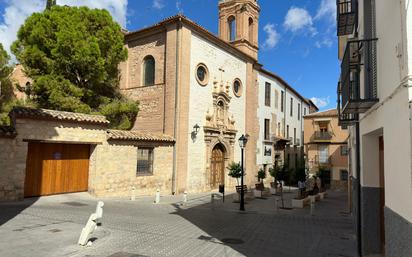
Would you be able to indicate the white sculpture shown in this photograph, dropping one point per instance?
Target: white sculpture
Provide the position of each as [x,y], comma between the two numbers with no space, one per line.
[90,227]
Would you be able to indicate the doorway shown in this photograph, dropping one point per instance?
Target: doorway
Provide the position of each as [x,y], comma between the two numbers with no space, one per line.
[217,176]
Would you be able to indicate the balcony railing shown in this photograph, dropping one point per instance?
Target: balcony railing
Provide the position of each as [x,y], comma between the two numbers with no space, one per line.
[356,96]
[322,136]
[347,15]
[347,119]
[318,162]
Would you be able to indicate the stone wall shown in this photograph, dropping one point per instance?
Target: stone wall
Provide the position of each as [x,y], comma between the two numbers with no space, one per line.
[112,170]
[151,98]
[115,169]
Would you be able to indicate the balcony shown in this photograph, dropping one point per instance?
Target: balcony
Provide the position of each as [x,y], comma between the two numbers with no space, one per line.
[322,136]
[356,96]
[347,119]
[347,15]
[317,162]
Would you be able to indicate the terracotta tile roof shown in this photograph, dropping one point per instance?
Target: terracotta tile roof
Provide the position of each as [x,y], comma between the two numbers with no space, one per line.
[137,135]
[7,131]
[199,28]
[25,112]
[327,113]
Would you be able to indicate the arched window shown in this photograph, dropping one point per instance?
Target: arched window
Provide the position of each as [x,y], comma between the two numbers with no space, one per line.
[251,29]
[232,28]
[148,71]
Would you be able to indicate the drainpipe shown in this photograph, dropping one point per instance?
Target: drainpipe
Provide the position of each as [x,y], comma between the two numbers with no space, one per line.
[179,25]
[358,186]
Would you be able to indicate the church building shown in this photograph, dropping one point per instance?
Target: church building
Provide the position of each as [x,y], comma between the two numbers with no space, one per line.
[206,91]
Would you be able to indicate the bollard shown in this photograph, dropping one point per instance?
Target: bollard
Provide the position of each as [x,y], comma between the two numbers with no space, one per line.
[133,198]
[185,197]
[157,200]
[99,212]
[88,230]
[312,204]
[212,197]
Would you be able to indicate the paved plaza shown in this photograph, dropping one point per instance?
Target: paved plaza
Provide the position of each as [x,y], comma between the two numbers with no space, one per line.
[50,226]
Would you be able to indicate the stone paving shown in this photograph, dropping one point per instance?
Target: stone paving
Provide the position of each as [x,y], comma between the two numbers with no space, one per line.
[50,226]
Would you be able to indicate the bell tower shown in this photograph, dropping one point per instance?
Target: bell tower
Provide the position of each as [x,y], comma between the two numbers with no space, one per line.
[239,24]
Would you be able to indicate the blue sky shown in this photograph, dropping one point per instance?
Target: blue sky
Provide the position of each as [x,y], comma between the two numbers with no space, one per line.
[297,38]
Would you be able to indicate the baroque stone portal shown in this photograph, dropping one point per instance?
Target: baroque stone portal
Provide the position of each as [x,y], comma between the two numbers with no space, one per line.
[220,133]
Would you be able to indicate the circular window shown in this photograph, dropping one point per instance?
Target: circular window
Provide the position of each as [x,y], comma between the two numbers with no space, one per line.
[237,88]
[202,74]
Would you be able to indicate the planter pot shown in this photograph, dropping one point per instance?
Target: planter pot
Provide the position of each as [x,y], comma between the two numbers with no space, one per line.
[236,197]
[257,193]
[272,190]
[300,203]
[322,195]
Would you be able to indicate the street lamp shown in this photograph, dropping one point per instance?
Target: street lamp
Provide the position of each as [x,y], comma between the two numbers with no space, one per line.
[242,144]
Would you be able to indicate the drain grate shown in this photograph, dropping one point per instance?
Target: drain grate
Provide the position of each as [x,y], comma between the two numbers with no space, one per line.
[76,204]
[232,241]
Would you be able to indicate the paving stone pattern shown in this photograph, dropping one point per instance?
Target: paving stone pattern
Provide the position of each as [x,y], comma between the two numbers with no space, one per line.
[50,227]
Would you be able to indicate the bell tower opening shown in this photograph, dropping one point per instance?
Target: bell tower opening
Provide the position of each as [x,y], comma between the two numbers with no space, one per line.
[239,24]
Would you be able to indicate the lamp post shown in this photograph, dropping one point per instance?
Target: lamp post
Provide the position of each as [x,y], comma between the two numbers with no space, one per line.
[242,144]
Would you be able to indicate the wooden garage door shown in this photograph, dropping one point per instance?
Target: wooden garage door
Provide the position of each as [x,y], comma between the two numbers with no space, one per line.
[56,168]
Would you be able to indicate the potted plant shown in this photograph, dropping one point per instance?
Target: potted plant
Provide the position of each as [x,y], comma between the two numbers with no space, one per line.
[235,171]
[273,172]
[259,187]
[261,175]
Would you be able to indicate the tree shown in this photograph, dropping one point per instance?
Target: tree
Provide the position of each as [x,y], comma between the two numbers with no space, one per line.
[73,54]
[235,171]
[50,4]
[7,97]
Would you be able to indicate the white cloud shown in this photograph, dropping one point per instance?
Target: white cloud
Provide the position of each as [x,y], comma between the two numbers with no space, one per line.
[272,36]
[327,9]
[16,12]
[298,19]
[158,4]
[179,6]
[326,42]
[321,102]
[117,8]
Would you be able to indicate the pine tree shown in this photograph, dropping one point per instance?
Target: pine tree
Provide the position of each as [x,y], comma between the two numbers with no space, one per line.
[50,4]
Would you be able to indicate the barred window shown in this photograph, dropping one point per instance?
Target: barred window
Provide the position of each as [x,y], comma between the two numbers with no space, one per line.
[144,161]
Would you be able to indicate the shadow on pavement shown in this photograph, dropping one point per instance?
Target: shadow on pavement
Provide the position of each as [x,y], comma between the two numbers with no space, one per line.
[9,210]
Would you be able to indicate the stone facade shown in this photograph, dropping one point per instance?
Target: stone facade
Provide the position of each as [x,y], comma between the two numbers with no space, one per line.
[112,170]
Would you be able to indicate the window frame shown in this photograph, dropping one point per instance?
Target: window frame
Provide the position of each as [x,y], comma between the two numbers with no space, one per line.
[342,178]
[231,23]
[205,81]
[145,71]
[344,152]
[298,111]
[282,101]
[266,129]
[291,107]
[150,159]
[240,92]
[267,93]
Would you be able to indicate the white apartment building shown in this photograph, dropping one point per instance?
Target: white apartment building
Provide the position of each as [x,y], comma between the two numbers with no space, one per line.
[375,105]
[280,114]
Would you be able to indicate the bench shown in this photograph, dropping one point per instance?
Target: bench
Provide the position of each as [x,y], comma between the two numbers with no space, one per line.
[239,189]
